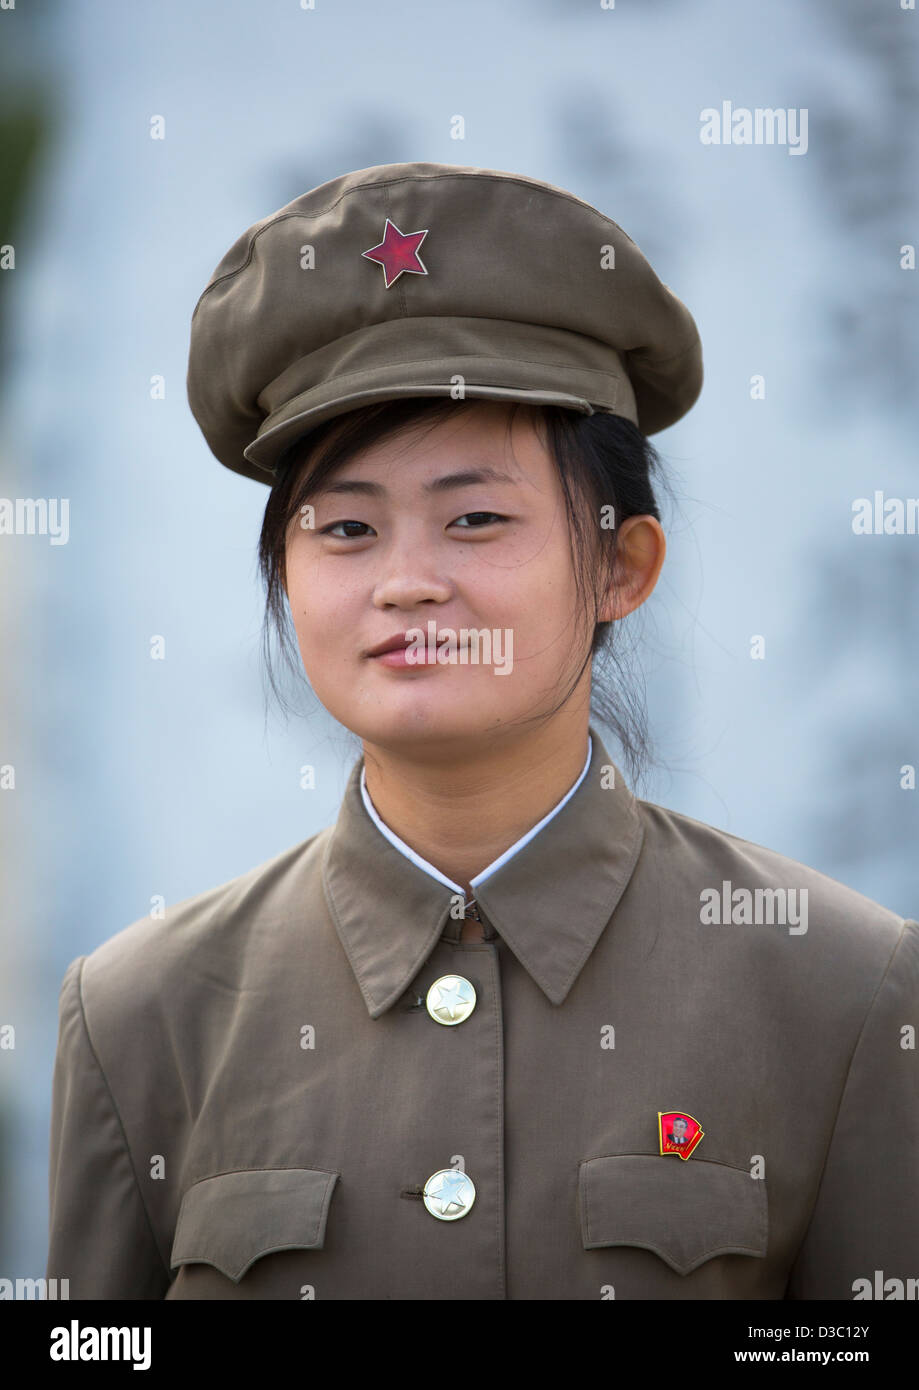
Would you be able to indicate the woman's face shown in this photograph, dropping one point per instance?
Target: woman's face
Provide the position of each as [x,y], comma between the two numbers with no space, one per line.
[412,531]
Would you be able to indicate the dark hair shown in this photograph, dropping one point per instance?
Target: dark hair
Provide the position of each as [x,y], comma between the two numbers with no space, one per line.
[603,460]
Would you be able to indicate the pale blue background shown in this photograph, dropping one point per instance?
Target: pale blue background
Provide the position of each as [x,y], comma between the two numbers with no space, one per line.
[137,777]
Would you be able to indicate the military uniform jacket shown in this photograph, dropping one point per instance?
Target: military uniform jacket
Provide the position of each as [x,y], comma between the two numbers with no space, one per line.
[250,1095]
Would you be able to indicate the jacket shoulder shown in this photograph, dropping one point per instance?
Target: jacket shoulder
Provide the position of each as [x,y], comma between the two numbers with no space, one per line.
[851,923]
[151,961]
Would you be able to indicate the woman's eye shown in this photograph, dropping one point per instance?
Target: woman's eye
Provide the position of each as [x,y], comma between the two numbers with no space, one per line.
[491,516]
[477,520]
[333,527]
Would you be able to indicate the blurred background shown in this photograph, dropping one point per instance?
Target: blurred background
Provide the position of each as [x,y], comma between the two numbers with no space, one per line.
[123,777]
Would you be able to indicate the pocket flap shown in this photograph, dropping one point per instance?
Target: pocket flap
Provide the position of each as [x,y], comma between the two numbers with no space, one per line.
[685,1211]
[232,1219]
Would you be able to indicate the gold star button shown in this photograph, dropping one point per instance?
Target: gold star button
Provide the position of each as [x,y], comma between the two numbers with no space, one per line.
[451,1000]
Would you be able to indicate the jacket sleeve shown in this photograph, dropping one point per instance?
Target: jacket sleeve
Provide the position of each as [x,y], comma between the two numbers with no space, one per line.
[100,1236]
[866,1214]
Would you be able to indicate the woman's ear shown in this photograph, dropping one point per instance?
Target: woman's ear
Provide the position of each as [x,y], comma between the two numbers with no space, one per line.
[640,550]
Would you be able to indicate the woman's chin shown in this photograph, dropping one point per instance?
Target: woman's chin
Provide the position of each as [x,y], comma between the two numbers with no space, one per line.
[407,722]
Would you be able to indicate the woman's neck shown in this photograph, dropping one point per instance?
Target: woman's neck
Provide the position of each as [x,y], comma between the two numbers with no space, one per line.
[460,813]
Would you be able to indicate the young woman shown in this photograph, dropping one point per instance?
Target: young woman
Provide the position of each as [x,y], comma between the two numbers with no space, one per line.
[504,1030]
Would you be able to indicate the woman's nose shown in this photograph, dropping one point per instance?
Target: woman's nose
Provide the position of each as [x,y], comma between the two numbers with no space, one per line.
[408,583]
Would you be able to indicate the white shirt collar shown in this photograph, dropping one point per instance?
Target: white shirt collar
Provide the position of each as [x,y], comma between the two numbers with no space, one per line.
[502,858]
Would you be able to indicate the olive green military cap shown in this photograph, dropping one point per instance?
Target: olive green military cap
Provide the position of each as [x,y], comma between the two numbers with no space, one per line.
[424,279]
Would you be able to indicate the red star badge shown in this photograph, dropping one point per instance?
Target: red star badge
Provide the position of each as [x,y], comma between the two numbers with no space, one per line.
[398,252]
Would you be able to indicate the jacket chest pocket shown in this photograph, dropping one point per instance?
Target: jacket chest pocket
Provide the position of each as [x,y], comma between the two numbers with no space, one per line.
[687,1212]
[233,1219]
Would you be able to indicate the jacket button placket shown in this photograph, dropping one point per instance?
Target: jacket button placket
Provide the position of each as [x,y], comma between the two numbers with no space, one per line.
[466,1056]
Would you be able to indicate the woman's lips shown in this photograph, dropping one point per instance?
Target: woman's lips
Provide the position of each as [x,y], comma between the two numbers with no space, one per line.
[397,656]
[408,657]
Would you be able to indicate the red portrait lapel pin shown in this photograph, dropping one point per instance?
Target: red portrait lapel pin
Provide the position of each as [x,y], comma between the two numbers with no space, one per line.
[679,1133]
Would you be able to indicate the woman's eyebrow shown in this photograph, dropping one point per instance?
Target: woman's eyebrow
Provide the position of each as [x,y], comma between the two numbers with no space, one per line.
[469,477]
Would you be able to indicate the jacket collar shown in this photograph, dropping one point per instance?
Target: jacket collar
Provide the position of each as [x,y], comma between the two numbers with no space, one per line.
[550,902]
